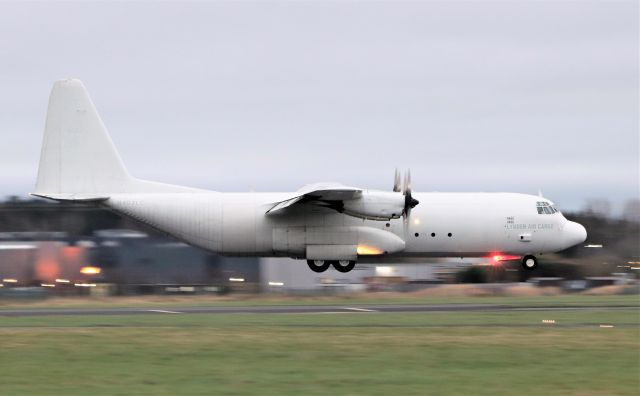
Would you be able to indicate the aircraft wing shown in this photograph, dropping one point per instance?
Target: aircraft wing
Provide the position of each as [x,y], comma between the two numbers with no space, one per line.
[318,192]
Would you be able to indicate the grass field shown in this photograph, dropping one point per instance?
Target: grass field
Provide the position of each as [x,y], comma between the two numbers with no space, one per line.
[478,353]
[565,300]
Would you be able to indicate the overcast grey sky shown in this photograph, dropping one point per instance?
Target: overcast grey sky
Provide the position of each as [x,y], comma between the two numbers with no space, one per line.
[233,96]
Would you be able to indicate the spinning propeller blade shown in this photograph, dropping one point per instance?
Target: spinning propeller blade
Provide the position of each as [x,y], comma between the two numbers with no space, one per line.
[396,181]
[409,201]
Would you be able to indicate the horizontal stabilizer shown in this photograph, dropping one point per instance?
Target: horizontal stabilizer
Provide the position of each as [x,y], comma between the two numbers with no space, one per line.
[73,197]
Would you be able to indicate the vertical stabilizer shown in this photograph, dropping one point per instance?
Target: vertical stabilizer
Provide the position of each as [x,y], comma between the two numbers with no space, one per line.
[78,158]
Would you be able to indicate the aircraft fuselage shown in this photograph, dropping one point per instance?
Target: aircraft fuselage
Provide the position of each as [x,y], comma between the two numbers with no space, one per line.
[443,225]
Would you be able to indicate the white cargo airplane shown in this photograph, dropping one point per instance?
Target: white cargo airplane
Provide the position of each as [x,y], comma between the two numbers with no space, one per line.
[328,224]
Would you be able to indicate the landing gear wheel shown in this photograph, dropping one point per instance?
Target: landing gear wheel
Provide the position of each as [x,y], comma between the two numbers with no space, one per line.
[529,263]
[343,265]
[318,265]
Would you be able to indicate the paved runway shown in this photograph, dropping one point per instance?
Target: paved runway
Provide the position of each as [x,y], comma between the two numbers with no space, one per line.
[299,309]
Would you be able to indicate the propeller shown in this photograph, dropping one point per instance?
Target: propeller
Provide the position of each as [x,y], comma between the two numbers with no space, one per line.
[396,181]
[409,201]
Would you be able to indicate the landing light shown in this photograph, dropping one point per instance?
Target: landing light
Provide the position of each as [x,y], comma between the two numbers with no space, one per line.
[10,280]
[236,279]
[593,246]
[62,280]
[364,250]
[276,283]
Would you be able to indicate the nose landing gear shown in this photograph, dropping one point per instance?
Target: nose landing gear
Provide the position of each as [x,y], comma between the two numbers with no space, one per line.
[529,262]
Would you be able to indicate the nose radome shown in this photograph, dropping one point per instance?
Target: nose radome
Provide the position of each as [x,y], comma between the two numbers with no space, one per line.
[575,233]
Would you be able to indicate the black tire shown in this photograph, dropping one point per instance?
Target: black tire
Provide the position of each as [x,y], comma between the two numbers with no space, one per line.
[318,265]
[343,266]
[529,263]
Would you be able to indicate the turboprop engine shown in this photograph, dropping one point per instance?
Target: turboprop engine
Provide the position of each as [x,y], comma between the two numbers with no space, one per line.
[383,205]
[376,205]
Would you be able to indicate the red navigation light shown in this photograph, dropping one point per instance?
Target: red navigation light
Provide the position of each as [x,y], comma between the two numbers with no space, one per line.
[504,257]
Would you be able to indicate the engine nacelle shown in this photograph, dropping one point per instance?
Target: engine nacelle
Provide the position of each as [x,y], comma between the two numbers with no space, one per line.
[376,205]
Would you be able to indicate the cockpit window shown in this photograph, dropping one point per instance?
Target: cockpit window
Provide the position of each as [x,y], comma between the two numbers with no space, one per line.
[545,208]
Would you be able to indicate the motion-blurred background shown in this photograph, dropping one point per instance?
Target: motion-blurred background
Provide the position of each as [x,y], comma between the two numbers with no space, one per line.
[269,96]
[54,249]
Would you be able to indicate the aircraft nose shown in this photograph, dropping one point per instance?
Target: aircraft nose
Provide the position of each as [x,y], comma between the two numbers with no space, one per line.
[574,233]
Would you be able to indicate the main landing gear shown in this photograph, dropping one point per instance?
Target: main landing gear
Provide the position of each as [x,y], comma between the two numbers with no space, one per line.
[343,266]
[318,265]
[530,262]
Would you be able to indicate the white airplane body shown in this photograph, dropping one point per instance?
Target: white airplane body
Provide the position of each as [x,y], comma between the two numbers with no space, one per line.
[325,223]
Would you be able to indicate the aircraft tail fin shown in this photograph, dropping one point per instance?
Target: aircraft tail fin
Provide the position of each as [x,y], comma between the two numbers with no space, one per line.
[78,157]
[78,160]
